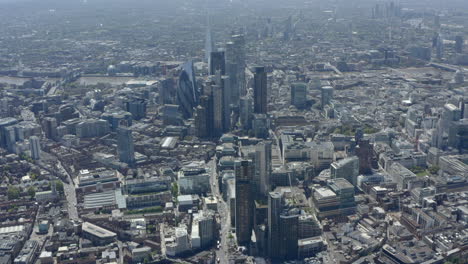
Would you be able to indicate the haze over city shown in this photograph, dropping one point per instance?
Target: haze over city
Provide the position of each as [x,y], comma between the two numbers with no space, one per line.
[233,131]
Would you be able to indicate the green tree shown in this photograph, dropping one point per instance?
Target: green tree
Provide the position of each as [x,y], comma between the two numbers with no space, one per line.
[59,186]
[434,169]
[175,189]
[13,193]
[31,192]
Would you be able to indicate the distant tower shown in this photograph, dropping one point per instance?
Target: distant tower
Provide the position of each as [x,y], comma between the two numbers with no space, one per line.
[225,85]
[299,95]
[440,47]
[235,63]
[35,148]
[246,111]
[327,95]
[209,40]
[263,168]
[244,201]
[125,146]
[217,62]
[218,109]
[459,41]
[260,91]
[50,127]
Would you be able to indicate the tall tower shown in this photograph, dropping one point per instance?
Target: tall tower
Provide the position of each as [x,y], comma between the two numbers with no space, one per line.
[218,109]
[225,85]
[288,230]
[35,148]
[459,42]
[327,95]
[244,201]
[263,168]
[299,95]
[217,62]
[209,40]
[235,66]
[275,206]
[260,90]
[125,146]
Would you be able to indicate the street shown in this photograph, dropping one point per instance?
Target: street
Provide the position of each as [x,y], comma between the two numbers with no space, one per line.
[70,194]
[223,252]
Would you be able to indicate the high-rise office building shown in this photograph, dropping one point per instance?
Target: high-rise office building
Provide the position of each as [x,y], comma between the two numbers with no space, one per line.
[344,190]
[327,95]
[299,95]
[275,206]
[136,107]
[346,168]
[35,148]
[231,71]
[167,91]
[218,109]
[365,153]
[208,40]
[440,47]
[49,125]
[244,201]
[260,125]
[235,66]
[246,111]
[288,234]
[459,43]
[260,91]
[217,62]
[200,121]
[125,146]
[225,85]
[4,124]
[187,94]
[263,168]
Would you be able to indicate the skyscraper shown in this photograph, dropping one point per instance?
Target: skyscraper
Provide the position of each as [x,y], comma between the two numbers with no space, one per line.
[246,111]
[275,206]
[187,92]
[244,201]
[459,41]
[225,85]
[209,40]
[125,146]
[218,109]
[217,62]
[35,148]
[49,125]
[136,107]
[346,168]
[327,95]
[260,91]
[235,66]
[299,95]
[288,234]
[263,168]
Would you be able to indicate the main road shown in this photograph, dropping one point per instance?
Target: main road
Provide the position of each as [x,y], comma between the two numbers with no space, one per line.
[70,194]
[223,252]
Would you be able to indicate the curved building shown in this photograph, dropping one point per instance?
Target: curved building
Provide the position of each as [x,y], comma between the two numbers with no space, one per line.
[187,92]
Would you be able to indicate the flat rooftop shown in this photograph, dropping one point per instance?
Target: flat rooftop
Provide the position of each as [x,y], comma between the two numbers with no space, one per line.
[97,231]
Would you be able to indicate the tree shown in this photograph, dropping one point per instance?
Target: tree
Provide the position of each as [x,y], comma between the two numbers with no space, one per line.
[31,192]
[13,193]
[175,189]
[434,169]
[59,186]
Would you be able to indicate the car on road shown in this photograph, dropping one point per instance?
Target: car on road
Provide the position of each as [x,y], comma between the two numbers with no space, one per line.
[218,260]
